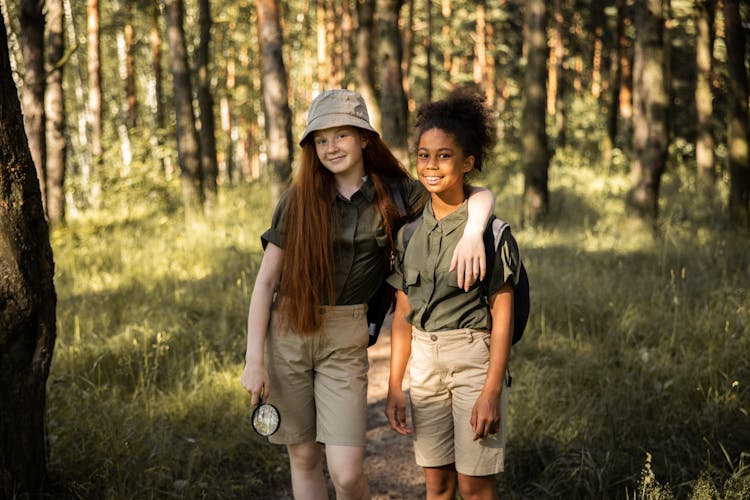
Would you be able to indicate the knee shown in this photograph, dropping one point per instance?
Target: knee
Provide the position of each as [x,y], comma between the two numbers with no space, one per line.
[440,485]
[349,480]
[477,487]
[305,458]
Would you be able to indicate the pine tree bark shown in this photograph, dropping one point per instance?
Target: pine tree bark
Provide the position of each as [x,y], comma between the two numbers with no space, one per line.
[536,156]
[95,81]
[209,163]
[27,303]
[365,60]
[650,113]
[55,113]
[188,147]
[704,44]
[32,93]
[393,105]
[155,43]
[737,127]
[275,92]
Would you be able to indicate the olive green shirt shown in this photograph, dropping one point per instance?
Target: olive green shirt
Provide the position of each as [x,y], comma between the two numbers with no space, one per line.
[360,261]
[437,303]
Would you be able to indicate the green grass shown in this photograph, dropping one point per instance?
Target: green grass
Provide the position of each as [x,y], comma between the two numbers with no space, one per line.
[632,380]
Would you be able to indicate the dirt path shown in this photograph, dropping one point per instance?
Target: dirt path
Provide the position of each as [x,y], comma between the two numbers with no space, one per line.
[389,461]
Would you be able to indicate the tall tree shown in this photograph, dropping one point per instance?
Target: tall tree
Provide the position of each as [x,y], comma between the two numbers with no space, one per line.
[704,46]
[209,162]
[365,61]
[650,112]
[556,78]
[32,45]
[536,157]
[188,147]
[155,43]
[94,80]
[54,99]
[393,105]
[27,302]
[275,101]
[737,127]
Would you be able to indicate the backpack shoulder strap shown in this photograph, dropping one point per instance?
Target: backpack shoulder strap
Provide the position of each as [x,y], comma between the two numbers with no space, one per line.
[398,194]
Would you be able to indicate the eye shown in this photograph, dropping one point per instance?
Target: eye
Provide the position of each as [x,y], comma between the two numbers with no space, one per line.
[444,156]
[319,141]
[422,156]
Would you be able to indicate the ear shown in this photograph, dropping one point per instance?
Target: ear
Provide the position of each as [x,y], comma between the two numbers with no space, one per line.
[363,141]
[468,164]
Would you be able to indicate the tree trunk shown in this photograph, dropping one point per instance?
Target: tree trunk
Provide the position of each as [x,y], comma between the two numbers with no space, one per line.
[393,104]
[650,113]
[704,46]
[188,147]
[227,125]
[206,107]
[32,45]
[131,99]
[55,113]
[275,101]
[95,81]
[154,42]
[365,61]
[428,53]
[556,78]
[599,20]
[624,48]
[27,303]
[536,157]
[737,127]
[617,70]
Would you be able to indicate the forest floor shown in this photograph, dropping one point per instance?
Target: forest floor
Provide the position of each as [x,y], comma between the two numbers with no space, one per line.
[389,458]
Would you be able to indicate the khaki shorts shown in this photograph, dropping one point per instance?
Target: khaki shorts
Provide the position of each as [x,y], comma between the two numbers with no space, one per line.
[448,370]
[319,380]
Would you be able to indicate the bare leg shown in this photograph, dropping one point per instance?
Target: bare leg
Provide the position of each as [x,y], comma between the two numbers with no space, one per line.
[346,466]
[477,487]
[306,464]
[440,482]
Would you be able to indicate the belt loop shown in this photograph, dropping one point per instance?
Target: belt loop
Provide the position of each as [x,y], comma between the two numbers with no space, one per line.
[471,336]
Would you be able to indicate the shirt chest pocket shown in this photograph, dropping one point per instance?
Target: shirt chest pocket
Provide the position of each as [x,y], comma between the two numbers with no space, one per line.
[412,279]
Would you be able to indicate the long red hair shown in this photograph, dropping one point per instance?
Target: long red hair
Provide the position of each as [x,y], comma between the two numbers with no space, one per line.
[310,222]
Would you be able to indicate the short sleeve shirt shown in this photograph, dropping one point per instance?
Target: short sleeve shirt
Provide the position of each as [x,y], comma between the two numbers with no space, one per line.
[360,262]
[422,272]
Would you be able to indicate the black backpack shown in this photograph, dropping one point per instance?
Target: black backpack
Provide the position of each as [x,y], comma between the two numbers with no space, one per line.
[383,301]
[492,236]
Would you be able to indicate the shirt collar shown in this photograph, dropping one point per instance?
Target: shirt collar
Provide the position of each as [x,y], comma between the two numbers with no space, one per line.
[366,190]
[449,223]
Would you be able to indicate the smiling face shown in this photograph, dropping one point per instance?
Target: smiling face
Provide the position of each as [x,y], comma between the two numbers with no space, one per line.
[442,165]
[340,150]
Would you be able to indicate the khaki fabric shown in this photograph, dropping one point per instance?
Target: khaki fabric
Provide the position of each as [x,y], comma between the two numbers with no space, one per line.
[448,370]
[319,380]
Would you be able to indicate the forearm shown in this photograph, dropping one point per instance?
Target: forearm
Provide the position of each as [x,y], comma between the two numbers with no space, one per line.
[481,205]
[500,342]
[259,313]
[400,343]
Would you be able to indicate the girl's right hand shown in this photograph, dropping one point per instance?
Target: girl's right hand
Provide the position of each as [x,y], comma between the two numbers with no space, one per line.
[395,410]
[256,382]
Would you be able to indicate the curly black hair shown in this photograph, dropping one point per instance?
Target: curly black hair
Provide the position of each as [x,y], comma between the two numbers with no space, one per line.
[463,114]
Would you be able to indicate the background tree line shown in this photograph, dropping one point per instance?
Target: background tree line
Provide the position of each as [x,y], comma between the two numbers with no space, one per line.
[215,92]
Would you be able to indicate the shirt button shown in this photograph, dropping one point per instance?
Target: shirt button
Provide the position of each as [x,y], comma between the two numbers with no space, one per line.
[433,337]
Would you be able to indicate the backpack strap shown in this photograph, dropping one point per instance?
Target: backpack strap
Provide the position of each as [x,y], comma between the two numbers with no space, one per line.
[406,234]
[398,195]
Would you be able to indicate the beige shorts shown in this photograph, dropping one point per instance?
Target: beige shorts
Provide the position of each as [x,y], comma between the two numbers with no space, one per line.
[319,380]
[448,370]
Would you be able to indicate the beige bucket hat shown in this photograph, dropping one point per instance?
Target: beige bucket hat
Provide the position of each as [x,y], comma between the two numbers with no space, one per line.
[337,108]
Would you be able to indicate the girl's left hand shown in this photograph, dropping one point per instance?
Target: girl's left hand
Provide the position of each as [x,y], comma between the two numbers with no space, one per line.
[485,416]
[469,258]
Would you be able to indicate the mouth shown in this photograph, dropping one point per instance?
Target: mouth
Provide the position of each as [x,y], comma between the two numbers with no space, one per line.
[431,179]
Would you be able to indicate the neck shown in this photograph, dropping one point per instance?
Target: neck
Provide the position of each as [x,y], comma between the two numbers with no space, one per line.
[348,184]
[443,204]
